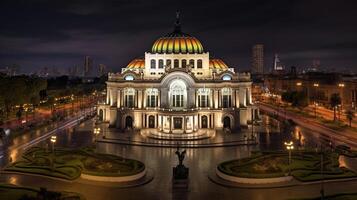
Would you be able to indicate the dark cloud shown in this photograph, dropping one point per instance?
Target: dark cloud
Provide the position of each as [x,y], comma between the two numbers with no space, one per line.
[59,33]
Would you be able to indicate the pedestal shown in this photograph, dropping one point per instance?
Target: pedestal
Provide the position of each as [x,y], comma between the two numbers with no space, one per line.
[180,177]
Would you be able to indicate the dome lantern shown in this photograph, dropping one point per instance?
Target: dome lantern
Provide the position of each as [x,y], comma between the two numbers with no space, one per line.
[177,42]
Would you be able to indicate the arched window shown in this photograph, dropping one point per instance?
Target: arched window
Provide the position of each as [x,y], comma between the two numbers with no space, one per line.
[183,63]
[161,63]
[192,63]
[129,97]
[176,63]
[226,97]
[129,77]
[178,93]
[226,77]
[199,64]
[168,63]
[153,64]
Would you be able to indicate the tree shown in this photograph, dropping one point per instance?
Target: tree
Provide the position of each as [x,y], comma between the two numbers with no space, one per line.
[335,100]
[296,98]
[350,115]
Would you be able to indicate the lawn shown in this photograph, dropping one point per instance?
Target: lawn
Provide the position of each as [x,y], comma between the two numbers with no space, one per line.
[305,166]
[13,192]
[70,163]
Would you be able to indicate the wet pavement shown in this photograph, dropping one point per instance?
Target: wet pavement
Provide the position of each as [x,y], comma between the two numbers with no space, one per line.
[201,162]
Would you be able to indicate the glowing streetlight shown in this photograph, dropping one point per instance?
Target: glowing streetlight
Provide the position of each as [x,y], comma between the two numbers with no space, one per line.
[96,132]
[289,146]
[316,85]
[53,141]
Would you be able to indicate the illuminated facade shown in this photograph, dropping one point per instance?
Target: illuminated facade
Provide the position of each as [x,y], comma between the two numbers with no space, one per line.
[178,88]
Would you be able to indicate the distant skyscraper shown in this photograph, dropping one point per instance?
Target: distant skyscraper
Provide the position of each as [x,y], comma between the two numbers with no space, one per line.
[88,65]
[258,59]
[278,66]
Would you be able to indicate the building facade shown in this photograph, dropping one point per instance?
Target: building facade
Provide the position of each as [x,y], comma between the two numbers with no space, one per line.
[318,87]
[178,88]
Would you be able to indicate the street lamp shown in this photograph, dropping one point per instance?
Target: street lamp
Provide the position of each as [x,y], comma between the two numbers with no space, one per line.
[289,146]
[53,141]
[96,132]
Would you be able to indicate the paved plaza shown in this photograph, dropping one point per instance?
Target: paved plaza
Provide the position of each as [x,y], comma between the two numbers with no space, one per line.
[160,161]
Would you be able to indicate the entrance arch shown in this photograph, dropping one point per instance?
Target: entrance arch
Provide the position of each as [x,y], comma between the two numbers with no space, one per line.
[204,121]
[227,122]
[101,115]
[128,122]
[151,121]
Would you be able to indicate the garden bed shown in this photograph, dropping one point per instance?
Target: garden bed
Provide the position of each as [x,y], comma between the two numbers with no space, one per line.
[71,163]
[305,166]
[13,192]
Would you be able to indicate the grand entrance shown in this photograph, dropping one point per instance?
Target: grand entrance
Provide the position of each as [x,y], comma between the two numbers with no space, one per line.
[177,123]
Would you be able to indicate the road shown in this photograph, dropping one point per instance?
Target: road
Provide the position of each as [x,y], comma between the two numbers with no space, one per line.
[347,137]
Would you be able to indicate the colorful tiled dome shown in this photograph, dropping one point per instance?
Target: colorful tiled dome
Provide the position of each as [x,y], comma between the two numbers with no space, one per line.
[136,64]
[217,64]
[177,42]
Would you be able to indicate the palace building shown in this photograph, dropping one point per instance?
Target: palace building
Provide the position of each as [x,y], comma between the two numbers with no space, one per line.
[178,88]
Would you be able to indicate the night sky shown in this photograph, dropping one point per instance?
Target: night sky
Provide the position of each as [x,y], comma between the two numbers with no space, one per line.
[34,34]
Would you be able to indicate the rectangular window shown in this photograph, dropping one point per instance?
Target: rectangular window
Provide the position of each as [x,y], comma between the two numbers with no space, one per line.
[129,101]
[177,100]
[203,100]
[226,101]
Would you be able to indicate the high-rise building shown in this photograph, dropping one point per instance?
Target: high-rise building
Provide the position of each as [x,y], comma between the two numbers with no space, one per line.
[102,69]
[88,65]
[258,59]
[278,66]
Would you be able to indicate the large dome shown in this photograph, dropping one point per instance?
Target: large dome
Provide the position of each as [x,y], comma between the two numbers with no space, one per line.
[177,42]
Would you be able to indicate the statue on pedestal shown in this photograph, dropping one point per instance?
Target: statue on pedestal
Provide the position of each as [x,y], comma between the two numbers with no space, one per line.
[180,172]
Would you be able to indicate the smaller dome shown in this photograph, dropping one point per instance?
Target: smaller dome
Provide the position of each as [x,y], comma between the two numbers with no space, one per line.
[137,63]
[217,64]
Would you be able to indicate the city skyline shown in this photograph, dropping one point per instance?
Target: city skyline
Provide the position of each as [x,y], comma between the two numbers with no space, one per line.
[299,32]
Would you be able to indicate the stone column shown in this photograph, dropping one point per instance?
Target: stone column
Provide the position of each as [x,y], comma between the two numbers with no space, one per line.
[171,120]
[145,96]
[136,98]
[237,97]
[111,98]
[108,91]
[184,124]
[215,97]
[196,99]
[140,99]
[159,99]
[118,99]
[210,98]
